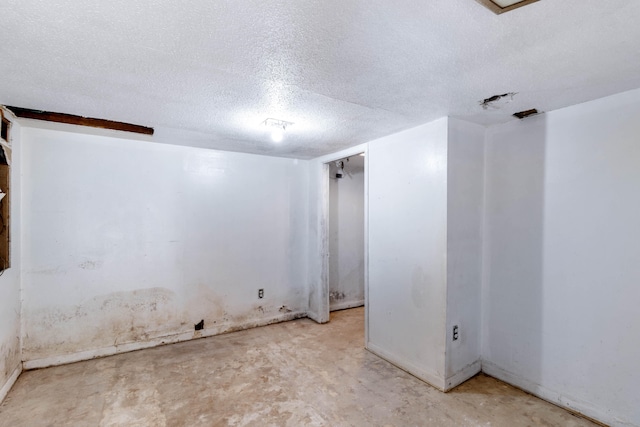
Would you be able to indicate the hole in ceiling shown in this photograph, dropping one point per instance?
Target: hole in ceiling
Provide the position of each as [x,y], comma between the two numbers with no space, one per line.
[527,113]
[502,6]
[497,101]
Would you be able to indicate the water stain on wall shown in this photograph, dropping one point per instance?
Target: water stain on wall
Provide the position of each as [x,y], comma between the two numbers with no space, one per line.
[205,303]
[139,316]
[350,288]
[102,321]
[336,296]
[10,359]
[91,264]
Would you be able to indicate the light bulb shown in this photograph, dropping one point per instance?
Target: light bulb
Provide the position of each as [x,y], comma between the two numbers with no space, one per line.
[277,135]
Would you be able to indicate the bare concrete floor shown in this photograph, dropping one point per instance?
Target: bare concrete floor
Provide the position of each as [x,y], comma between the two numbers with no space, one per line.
[290,374]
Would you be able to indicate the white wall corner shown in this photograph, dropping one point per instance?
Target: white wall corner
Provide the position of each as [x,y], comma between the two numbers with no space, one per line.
[559,399]
[465,212]
[434,379]
[484,284]
[463,375]
[10,382]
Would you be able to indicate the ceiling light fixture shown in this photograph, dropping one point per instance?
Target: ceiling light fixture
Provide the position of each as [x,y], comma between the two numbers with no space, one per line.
[502,6]
[277,128]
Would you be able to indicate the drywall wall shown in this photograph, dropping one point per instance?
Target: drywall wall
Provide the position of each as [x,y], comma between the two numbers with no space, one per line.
[408,249]
[130,244]
[560,315]
[346,234]
[465,192]
[10,302]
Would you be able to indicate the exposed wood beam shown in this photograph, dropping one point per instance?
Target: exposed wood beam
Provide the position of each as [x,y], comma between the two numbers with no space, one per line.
[70,119]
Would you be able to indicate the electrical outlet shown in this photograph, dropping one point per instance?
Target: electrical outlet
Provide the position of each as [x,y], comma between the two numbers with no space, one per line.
[455,333]
[260,293]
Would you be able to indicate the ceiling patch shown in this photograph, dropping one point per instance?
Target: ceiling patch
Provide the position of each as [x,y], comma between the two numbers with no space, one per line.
[502,6]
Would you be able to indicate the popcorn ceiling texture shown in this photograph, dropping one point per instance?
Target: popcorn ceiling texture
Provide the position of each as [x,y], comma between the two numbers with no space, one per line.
[208,73]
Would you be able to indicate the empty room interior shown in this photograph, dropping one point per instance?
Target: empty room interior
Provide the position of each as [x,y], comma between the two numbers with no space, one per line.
[288,213]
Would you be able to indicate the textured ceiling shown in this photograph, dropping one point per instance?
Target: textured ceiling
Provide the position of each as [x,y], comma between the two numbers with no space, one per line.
[207,73]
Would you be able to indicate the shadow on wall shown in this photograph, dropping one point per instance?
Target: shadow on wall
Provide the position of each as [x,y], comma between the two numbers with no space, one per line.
[515,205]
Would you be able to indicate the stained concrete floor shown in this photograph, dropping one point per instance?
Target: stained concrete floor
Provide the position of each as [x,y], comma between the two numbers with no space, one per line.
[291,374]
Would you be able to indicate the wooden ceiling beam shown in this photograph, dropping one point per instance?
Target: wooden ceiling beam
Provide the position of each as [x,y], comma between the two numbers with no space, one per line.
[71,119]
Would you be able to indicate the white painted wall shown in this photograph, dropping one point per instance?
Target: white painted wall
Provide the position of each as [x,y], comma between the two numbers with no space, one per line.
[465,193]
[408,249]
[10,303]
[425,249]
[129,243]
[560,315]
[346,235]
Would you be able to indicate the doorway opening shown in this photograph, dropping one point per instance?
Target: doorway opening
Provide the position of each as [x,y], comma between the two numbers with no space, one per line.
[346,233]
